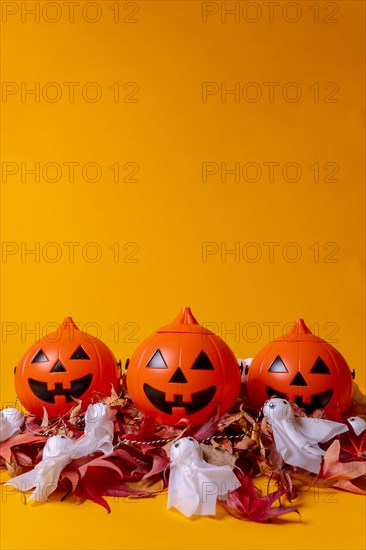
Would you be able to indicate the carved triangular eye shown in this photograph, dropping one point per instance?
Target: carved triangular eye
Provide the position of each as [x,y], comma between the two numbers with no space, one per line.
[278,365]
[157,361]
[202,362]
[40,357]
[320,367]
[80,353]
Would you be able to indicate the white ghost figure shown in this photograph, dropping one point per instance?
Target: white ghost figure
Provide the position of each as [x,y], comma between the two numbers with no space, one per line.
[297,438]
[57,453]
[195,485]
[244,364]
[60,450]
[358,424]
[10,422]
[98,432]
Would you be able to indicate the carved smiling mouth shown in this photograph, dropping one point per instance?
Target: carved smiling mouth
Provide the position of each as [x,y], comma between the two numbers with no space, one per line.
[78,388]
[200,400]
[318,400]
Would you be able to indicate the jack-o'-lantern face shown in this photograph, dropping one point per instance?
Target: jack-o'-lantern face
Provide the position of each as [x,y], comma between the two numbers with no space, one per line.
[183,370]
[62,367]
[303,368]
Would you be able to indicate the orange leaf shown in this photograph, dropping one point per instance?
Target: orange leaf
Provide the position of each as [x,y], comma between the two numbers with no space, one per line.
[332,469]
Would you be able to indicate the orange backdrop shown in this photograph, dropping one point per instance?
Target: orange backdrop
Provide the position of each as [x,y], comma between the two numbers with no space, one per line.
[166,153]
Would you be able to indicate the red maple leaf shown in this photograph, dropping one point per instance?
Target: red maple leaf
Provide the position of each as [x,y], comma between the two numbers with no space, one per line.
[341,473]
[244,503]
[160,462]
[353,447]
[24,441]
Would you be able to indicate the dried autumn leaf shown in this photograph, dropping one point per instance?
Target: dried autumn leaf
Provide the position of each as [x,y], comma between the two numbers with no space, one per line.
[245,443]
[147,486]
[265,438]
[249,418]
[229,419]
[72,430]
[205,431]
[160,462]
[91,491]
[24,441]
[255,434]
[266,429]
[244,503]
[114,400]
[341,473]
[102,463]
[147,430]
[167,432]
[224,443]
[72,475]
[218,456]
[75,411]
[12,467]
[351,486]
[22,459]
[44,422]
[99,482]
[353,447]
[332,469]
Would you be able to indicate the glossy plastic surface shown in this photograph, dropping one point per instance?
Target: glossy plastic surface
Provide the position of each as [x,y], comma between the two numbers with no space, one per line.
[304,368]
[183,371]
[63,365]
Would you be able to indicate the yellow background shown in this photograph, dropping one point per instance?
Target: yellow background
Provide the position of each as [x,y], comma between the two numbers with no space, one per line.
[167,51]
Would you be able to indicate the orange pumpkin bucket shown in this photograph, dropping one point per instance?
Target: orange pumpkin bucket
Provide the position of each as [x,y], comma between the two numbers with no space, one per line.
[183,371]
[63,365]
[303,368]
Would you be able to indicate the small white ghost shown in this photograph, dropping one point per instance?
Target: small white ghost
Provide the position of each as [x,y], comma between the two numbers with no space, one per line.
[244,365]
[194,485]
[57,453]
[11,420]
[297,438]
[98,432]
[60,450]
[358,424]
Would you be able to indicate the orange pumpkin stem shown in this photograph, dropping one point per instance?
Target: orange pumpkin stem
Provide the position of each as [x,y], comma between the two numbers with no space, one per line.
[298,329]
[185,317]
[185,322]
[68,323]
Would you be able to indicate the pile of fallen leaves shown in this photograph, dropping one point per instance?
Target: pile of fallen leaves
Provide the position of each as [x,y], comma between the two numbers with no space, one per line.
[139,464]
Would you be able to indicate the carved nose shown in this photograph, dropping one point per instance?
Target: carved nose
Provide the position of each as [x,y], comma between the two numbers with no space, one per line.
[58,367]
[178,376]
[299,380]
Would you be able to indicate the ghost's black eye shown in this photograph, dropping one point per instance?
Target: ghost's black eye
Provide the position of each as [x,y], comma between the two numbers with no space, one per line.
[190,438]
[278,365]
[271,405]
[177,444]
[157,361]
[80,353]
